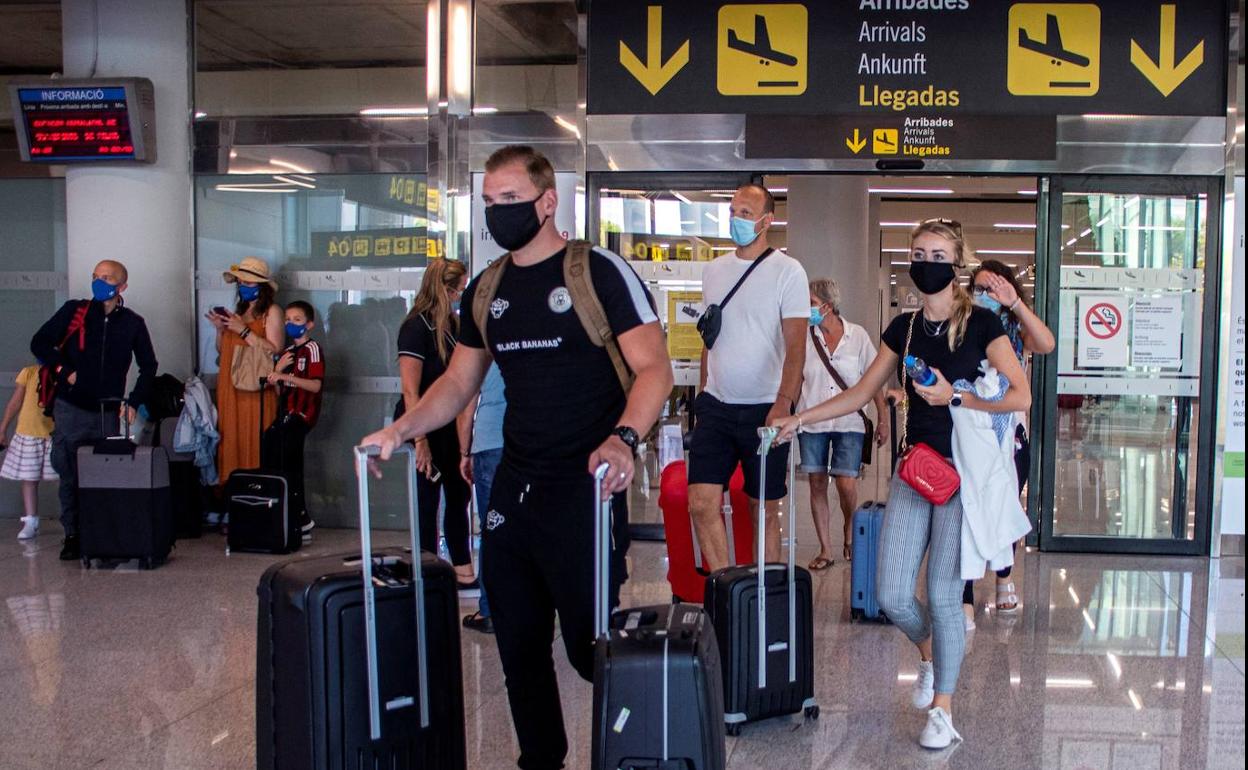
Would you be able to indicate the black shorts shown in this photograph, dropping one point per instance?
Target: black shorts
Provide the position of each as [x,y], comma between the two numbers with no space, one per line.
[727,434]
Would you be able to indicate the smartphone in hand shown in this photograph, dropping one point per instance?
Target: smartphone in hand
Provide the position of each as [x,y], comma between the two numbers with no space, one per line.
[221,311]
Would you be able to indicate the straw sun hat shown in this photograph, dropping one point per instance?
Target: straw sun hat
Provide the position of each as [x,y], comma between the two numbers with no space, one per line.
[252,270]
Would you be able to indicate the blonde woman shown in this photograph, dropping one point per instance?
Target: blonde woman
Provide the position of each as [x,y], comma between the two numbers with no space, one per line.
[426,339]
[952,336]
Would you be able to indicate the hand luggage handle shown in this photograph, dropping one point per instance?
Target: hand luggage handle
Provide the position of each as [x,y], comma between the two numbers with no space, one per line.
[362,455]
[123,417]
[602,553]
[767,437]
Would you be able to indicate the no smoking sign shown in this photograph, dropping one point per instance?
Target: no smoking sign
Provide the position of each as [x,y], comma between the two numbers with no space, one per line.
[1103,320]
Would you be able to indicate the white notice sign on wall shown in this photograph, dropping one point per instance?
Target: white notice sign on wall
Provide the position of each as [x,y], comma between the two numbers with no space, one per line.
[1157,332]
[1102,340]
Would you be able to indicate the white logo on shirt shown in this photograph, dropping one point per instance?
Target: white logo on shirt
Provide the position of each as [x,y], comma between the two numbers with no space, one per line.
[493,520]
[498,307]
[560,300]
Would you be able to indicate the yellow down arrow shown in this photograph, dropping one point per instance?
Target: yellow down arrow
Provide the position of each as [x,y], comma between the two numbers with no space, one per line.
[655,73]
[1164,74]
[856,144]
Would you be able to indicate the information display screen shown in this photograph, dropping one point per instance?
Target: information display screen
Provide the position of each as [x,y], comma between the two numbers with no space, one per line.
[75,122]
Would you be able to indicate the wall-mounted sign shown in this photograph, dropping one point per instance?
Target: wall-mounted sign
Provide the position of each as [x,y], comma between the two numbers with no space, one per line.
[73,121]
[1139,57]
[902,137]
[404,245]
[684,308]
[1157,332]
[1102,341]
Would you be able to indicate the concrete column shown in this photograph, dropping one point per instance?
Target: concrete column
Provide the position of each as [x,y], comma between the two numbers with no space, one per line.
[140,214]
[829,232]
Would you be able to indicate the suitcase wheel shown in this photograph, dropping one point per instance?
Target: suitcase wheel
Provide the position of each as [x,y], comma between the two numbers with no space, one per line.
[855,614]
[676,599]
[86,562]
[733,729]
[812,712]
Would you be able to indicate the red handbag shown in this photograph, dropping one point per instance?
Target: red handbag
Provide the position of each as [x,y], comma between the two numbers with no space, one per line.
[923,468]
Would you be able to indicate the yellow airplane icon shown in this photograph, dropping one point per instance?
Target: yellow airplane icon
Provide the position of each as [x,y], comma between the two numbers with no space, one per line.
[884,141]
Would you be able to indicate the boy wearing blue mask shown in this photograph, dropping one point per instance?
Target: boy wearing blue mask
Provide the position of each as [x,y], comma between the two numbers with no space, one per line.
[298,376]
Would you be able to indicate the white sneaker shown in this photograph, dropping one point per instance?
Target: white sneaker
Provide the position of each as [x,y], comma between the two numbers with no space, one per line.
[30,528]
[970,623]
[924,686]
[939,732]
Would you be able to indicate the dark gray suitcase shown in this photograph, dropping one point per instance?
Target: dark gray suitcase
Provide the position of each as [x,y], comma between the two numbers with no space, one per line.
[764,623]
[186,491]
[658,698]
[124,509]
[358,660]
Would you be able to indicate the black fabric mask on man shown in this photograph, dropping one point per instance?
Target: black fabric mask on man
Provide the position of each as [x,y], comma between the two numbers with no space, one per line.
[932,277]
[513,225]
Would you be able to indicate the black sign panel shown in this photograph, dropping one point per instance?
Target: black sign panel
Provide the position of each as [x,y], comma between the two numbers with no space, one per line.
[980,57]
[948,136]
[403,245]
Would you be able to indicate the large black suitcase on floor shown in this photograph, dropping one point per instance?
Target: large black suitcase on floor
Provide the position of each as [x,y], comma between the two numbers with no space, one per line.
[186,490]
[124,509]
[771,673]
[658,698]
[258,502]
[358,662]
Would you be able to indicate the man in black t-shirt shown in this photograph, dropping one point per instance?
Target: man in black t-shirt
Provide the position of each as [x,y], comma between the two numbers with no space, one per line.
[566,414]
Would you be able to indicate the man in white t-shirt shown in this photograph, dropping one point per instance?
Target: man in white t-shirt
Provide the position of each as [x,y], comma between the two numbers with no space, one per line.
[834,447]
[751,376]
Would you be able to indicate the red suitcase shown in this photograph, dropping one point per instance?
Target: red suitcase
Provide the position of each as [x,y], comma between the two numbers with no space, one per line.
[685,569]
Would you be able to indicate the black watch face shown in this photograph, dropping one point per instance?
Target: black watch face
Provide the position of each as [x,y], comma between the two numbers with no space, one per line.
[628,436]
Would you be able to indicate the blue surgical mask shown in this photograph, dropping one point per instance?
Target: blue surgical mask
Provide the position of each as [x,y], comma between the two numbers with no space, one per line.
[816,316]
[295,331]
[248,293]
[742,231]
[455,306]
[988,303]
[102,290]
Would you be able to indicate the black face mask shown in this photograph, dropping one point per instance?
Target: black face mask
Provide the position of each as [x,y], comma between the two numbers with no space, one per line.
[930,277]
[513,225]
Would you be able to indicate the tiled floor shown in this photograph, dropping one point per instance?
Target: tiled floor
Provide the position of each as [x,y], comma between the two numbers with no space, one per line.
[1113,663]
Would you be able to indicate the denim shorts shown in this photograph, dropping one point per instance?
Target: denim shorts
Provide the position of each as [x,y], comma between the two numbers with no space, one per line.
[837,454]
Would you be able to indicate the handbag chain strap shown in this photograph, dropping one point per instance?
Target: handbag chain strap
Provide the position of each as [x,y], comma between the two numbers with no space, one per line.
[905,394]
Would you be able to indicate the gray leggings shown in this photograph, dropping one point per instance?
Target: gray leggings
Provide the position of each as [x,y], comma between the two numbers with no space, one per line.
[913,526]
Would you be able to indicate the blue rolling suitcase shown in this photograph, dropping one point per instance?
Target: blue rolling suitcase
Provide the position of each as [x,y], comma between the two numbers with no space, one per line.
[867,523]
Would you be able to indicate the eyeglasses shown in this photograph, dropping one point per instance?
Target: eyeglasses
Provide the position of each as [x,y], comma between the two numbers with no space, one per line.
[980,291]
[952,224]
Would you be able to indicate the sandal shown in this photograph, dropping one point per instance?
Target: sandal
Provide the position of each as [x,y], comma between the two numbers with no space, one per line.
[819,564]
[1007,598]
[848,551]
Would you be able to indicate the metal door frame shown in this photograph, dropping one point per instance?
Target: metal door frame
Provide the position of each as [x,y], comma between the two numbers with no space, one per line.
[1048,293]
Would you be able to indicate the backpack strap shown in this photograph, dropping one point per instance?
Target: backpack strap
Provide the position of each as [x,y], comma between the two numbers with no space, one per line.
[487,288]
[78,325]
[589,309]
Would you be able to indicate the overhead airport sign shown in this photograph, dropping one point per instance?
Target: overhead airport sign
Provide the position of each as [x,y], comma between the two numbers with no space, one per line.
[948,136]
[980,57]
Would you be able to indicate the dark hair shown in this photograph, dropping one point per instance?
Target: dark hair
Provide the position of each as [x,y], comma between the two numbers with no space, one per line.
[541,173]
[769,200]
[1003,270]
[303,307]
[261,304]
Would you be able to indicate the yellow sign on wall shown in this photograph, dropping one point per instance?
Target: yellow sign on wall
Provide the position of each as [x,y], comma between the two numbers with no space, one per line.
[1054,49]
[684,308]
[762,50]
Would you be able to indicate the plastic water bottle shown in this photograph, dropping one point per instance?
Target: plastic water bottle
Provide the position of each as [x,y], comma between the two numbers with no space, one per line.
[920,372]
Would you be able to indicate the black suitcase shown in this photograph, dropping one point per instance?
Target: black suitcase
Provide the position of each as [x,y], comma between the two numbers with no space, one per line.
[258,503]
[358,661]
[658,698]
[773,673]
[186,491]
[124,509]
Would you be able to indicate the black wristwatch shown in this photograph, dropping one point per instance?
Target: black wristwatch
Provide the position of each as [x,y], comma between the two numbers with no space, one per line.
[628,436]
[956,400]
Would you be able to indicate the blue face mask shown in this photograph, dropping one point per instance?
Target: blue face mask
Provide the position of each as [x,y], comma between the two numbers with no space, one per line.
[816,316]
[988,303]
[102,290]
[248,293]
[742,231]
[455,306]
[295,331]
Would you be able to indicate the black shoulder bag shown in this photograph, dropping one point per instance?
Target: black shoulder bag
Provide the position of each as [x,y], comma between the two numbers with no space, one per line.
[713,317]
[869,443]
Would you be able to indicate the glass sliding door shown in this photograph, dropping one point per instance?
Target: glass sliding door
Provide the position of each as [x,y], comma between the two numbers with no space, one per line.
[1127,442]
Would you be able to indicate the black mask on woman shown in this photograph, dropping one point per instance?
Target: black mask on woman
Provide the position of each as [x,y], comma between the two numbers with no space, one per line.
[513,225]
[929,277]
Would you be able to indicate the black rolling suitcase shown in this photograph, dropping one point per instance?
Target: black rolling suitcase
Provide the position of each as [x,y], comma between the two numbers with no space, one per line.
[124,509]
[658,698]
[186,491]
[358,660]
[773,673]
[258,502]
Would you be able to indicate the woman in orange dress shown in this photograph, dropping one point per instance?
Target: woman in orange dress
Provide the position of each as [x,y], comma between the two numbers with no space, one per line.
[255,322]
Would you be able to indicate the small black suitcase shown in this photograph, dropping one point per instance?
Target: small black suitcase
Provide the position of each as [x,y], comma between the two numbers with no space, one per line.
[773,673]
[658,698]
[124,509]
[358,661]
[258,502]
[186,491]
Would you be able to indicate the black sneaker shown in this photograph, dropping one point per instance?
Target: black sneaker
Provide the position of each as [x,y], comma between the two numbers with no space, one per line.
[478,622]
[70,550]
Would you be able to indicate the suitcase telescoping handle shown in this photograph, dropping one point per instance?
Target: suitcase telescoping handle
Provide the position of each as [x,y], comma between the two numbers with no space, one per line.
[602,554]
[767,438]
[362,456]
[123,417]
